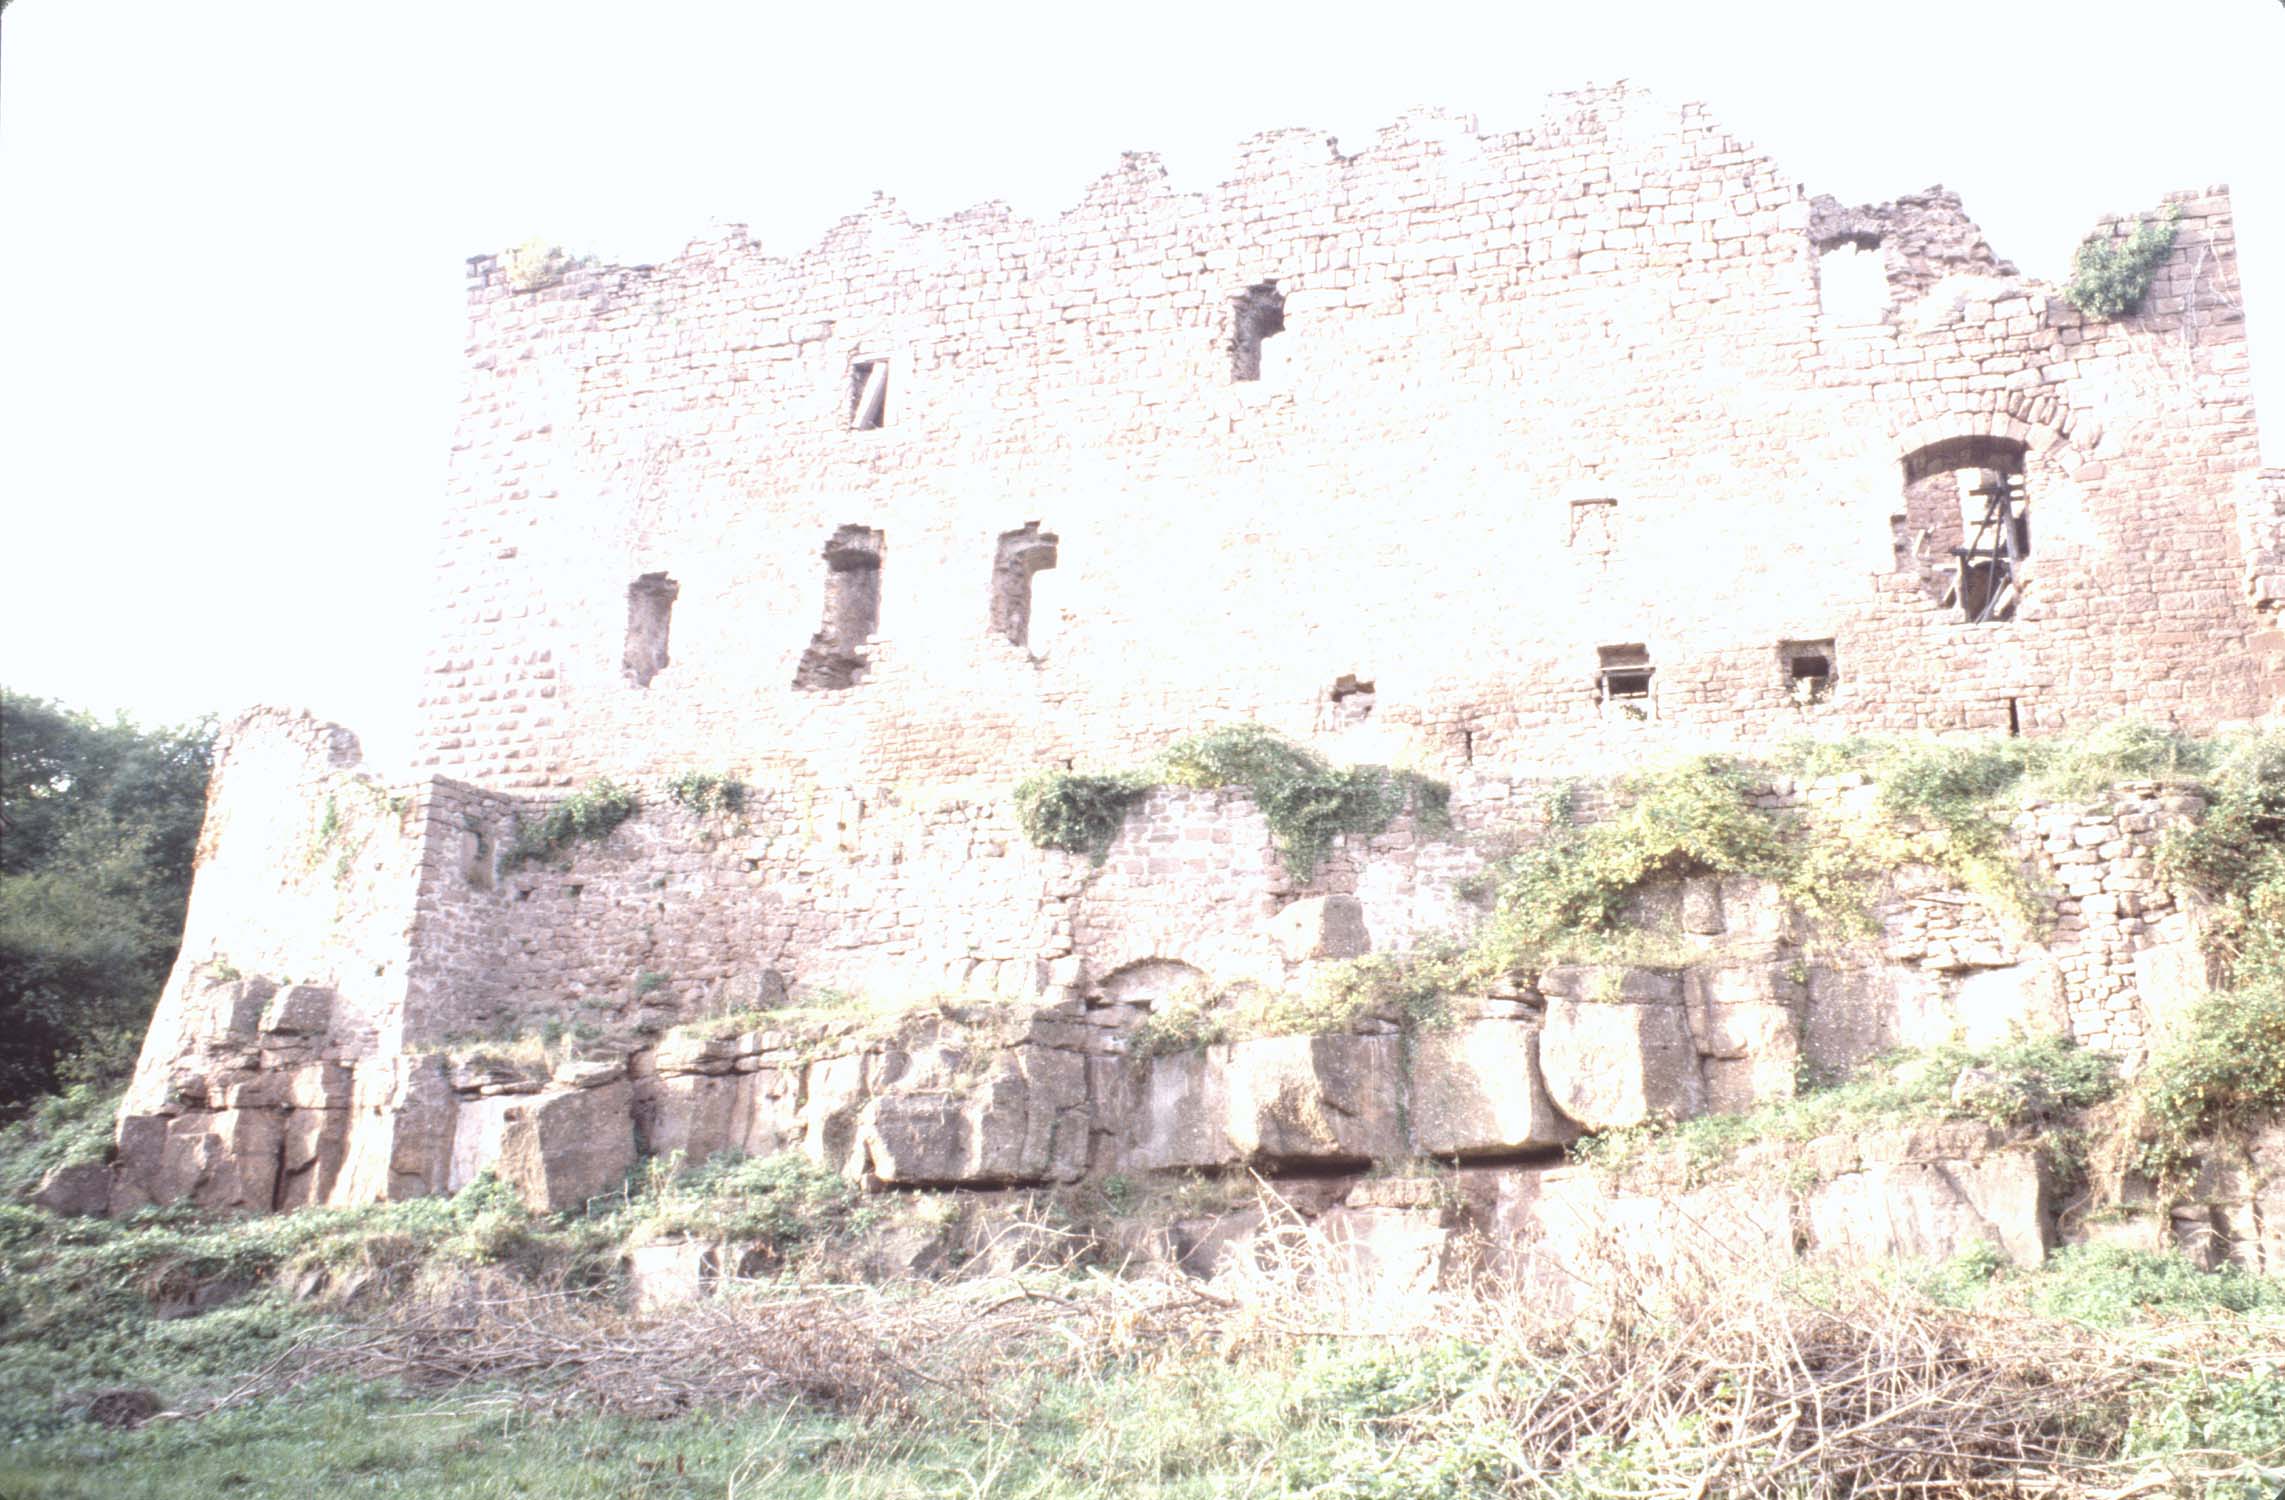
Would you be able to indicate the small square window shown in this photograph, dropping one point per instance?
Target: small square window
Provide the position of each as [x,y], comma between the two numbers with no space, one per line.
[1807,670]
[1623,682]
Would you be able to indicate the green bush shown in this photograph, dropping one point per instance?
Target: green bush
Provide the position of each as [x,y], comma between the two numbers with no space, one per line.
[2206,1419]
[1079,814]
[584,816]
[61,1130]
[2224,1071]
[1696,817]
[1306,801]
[2026,1081]
[780,1201]
[2109,1286]
[2111,274]
[708,792]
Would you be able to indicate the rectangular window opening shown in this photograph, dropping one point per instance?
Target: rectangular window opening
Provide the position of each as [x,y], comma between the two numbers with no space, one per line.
[650,609]
[1352,700]
[1808,673]
[868,395]
[1623,683]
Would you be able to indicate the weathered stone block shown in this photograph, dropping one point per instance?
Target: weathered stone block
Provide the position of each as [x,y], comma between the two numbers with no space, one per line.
[559,1150]
[1321,927]
[1476,1090]
[1609,1066]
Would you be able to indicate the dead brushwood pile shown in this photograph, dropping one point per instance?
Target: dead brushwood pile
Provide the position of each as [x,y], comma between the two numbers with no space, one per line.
[1714,1379]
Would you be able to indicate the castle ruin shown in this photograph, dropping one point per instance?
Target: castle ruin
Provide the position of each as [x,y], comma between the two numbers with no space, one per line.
[1493,455]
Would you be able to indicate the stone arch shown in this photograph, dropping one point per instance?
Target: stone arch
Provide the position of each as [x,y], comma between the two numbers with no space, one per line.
[1147,982]
[2032,416]
[2053,453]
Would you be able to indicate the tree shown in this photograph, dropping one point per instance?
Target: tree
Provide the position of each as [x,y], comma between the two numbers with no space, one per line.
[98,831]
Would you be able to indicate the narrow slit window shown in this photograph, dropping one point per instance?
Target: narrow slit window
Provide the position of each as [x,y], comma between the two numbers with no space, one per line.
[1807,670]
[650,609]
[1257,314]
[1623,682]
[868,395]
[1022,553]
[836,655]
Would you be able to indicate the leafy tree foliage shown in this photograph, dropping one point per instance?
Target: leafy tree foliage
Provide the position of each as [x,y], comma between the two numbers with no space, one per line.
[98,830]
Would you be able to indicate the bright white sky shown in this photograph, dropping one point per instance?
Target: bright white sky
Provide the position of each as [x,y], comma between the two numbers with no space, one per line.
[232,233]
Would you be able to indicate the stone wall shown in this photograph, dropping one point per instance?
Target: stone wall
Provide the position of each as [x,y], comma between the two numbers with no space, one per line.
[959,1007]
[1534,394]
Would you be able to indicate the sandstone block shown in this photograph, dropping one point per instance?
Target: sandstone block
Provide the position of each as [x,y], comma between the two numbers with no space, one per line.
[1316,1099]
[1610,1066]
[1321,927]
[1025,1120]
[1476,1090]
[220,1159]
[299,1010]
[1933,1209]
[81,1190]
[402,1119]
[559,1150]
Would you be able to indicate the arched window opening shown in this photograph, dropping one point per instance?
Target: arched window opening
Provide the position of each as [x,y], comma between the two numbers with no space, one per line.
[1966,525]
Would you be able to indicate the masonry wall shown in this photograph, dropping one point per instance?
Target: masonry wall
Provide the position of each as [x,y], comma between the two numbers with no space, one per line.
[1482,335]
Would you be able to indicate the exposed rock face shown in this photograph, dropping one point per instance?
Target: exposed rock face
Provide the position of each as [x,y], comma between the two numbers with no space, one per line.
[258,1094]
[559,1150]
[1478,1091]
[1625,1060]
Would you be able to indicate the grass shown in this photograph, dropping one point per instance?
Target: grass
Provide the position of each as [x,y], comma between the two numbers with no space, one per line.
[2127,1369]
[61,1130]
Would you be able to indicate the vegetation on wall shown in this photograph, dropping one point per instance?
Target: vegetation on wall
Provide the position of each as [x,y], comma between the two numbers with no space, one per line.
[708,792]
[586,815]
[98,830]
[2223,1073]
[1307,801]
[2111,274]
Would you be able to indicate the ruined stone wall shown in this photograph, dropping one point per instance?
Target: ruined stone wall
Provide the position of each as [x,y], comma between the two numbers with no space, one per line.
[1535,394]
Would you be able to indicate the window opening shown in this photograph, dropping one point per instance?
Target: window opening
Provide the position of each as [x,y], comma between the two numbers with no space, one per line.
[1022,553]
[868,394]
[1808,670]
[1852,281]
[1623,682]
[1967,528]
[2014,720]
[1352,700]
[650,608]
[1258,313]
[835,658]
